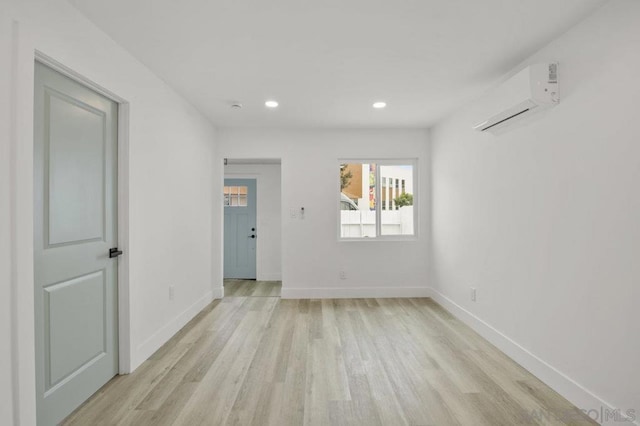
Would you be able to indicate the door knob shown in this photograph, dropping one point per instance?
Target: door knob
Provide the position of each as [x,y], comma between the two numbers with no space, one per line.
[114,252]
[252,236]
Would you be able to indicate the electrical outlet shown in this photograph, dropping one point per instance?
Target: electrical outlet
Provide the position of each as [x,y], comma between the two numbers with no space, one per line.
[343,275]
[473,294]
[171,292]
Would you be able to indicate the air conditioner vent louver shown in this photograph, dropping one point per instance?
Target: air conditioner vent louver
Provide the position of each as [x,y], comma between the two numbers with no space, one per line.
[505,119]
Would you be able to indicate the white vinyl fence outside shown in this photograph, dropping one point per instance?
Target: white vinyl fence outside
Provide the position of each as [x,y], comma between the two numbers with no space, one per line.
[362,223]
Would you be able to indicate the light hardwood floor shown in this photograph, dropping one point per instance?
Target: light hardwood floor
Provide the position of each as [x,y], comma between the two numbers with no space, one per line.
[267,361]
[252,288]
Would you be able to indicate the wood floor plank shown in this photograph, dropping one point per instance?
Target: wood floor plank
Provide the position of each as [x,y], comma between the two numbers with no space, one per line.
[291,407]
[208,405]
[253,359]
[254,395]
[252,288]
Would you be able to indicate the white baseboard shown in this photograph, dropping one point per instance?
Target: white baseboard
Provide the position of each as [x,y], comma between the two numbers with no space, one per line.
[159,338]
[354,293]
[217,293]
[555,379]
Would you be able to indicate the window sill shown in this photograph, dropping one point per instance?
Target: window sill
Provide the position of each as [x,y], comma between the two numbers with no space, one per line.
[387,239]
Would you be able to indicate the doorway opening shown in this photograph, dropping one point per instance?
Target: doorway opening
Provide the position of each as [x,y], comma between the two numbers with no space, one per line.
[252,227]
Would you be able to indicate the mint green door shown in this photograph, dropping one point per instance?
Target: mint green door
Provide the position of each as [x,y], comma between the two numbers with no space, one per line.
[75,182]
[240,231]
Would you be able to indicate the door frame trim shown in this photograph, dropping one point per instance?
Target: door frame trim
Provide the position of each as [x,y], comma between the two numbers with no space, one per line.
[124,335]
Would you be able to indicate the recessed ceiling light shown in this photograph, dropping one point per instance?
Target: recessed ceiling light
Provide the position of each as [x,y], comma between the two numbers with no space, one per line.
[271,104]
[379,105]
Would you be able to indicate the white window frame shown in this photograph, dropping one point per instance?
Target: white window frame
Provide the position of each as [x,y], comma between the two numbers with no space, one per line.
[416,198]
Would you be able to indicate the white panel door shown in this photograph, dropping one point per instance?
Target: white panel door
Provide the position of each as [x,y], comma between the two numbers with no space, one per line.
[240,228]
[75,141]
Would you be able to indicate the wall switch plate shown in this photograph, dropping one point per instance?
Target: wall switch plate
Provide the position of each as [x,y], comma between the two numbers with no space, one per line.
[473,294]
[293,213]
[171,292]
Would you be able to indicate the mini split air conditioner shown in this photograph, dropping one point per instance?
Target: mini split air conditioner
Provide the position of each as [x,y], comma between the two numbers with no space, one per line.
[533,89]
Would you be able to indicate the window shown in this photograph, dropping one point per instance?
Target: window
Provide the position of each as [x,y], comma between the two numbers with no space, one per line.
[377,199]
[235,196]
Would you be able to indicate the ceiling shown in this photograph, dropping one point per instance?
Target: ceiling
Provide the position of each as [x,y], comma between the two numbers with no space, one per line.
[327,61]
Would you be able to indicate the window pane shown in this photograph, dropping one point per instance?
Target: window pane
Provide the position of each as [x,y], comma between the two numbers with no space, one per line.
[372,187]
[235,196]
[357,200]
[398,219]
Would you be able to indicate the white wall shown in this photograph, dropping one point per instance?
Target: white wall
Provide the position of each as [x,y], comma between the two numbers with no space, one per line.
[312,256]
[269,216]
[170,199]
[6,293]
[544,219]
